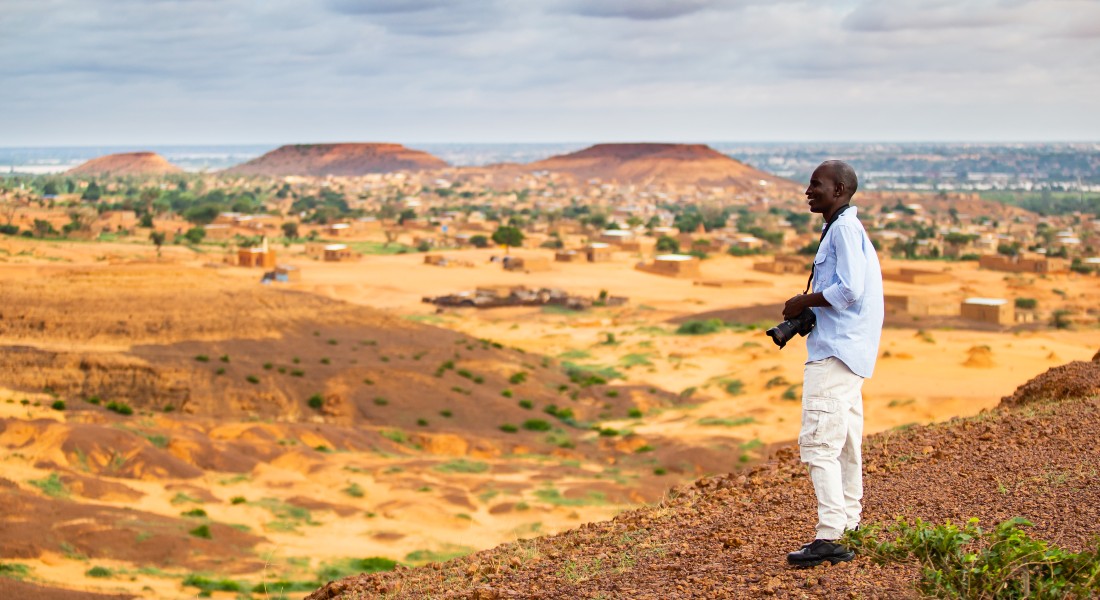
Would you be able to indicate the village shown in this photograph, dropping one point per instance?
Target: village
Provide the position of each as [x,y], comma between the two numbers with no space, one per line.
[283,225]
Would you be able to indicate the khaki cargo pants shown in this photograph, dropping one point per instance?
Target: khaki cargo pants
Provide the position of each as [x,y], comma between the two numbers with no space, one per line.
[830,443]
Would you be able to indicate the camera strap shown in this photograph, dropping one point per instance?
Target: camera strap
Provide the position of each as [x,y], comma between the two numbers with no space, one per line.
[825,230]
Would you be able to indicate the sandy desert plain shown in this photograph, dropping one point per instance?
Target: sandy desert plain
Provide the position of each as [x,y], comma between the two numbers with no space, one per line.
[287,432]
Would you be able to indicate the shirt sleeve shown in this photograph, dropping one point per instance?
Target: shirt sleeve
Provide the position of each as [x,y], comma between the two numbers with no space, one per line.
[851,268]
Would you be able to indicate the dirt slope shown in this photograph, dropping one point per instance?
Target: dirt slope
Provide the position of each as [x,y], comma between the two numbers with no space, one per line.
[347,160]
[127,163]
[726,537]
[669,164]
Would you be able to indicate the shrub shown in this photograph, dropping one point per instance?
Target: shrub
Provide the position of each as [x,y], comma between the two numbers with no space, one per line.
[58,405]
[252,379]
[98,572]
[536,425]
[237,500]
[202,531]
[380,401]
[526,404]
[422,422]
[506,393]
[194,512]
[316,401]
[1026,303]
[268,366]
[634,413]
[967,562]
[297,373]
[120,407]
[700,327]
[224,358]
[517,378]
[220,371]
[509,428]
[326,361]
[202,358]
[446,413]
[92,399]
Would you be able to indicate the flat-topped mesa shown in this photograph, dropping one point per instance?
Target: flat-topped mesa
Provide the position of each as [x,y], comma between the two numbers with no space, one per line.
[126,163]
[347,160]
[668,164]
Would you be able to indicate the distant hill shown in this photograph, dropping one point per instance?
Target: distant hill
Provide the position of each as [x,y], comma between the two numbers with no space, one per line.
[669,164]
[346,160]
[126,163]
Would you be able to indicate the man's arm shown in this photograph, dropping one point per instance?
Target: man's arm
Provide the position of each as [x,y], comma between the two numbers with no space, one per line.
[801,302]
[851,269]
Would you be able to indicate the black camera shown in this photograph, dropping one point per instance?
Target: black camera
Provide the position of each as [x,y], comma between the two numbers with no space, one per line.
[802,324]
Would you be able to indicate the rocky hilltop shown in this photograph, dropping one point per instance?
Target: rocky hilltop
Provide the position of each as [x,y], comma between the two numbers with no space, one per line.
[347,160]
[670,164]
[126,163]
[1035,456]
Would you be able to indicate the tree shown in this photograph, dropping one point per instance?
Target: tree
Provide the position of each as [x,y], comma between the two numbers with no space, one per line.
[92,192]
[157,237]
[290,230]
[195,235]
[479,241]
[508,237]
[668,244]
[50,189]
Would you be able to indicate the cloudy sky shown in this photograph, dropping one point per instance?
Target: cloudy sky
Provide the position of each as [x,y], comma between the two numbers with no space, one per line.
[93,72]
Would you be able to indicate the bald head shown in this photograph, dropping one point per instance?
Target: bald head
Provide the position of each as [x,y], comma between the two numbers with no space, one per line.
[842,173]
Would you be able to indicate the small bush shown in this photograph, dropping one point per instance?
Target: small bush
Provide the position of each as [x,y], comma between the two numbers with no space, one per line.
[220,371]
[92,399]
[1026,303]
[536,425]
[506,393]
[194,512]
[422,422]
[202,358]
[58,405]
[316,401]
[297,373]
[326,361]
[446,413]
[252,379]
[608,432]
[120,407]
[527,404]
[224,358]
[509,428]
[268,366]
[517,378]
[634,413]
[238,500]
[355,491]
[202,531]
[968,562]
[98,572]
[700,327]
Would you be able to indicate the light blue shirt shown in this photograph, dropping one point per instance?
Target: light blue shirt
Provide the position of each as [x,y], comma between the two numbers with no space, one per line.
[847,273]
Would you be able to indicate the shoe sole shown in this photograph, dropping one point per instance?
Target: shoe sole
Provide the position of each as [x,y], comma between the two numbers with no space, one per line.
[831,560]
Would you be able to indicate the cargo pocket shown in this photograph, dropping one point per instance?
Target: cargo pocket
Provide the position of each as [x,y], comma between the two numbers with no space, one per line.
[822,423]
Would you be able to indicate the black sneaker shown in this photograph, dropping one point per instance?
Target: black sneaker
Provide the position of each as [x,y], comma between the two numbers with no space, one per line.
[818,552]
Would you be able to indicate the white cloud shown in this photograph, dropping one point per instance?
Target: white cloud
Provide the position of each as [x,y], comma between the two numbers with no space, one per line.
[99,71]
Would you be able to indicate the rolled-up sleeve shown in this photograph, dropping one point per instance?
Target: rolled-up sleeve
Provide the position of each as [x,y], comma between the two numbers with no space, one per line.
[851,268]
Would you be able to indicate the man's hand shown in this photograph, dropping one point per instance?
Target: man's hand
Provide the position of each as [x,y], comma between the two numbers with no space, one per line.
[801,302]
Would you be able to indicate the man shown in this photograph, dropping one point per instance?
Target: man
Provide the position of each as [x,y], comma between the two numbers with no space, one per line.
[846,298]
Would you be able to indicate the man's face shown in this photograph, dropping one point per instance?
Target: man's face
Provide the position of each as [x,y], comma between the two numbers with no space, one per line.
[822,191]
